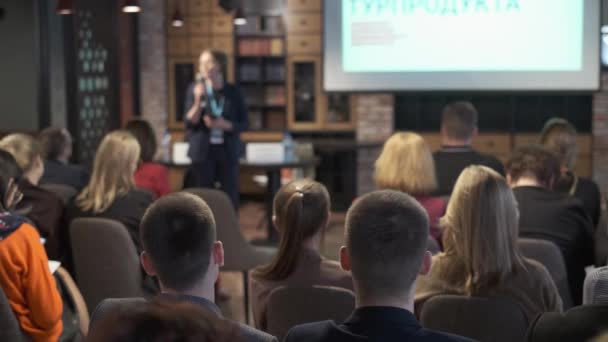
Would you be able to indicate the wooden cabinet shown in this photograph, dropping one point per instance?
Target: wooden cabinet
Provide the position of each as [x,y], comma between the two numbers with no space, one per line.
[304,44]
[199,26]
[222,24]
[179,47]
[198,44]
[199,7]
[304,23]
[309,108]
[304,5]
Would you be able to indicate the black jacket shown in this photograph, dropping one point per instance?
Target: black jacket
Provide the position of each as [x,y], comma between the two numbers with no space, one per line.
[56,172]
[577,324]
[248,333]
[557,217]
[235,111]
[451,160]
[585,190]
[378,323]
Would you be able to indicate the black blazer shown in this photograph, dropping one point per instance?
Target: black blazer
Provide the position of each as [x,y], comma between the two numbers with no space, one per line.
[561,219]
[379,323]
[580,323]
[235,111]
[451,160]
[248,333]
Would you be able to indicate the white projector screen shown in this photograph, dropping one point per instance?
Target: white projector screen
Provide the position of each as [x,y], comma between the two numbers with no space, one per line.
[477,45]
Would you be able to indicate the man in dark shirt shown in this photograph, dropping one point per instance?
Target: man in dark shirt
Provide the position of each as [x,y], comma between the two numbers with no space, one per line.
[550,215]
[57,151]
[178,234]
[386,234]
[458,128]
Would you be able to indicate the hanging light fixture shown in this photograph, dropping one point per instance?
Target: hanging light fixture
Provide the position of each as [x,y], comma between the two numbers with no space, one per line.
[177,20]
[239,17]
[131,6]
[65,7]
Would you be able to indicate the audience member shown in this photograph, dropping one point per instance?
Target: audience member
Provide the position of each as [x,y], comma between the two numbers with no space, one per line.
[595,288]
[458,129]
[301,214]
[559,136]
[549,215]
[111,192]
[406,164]
[24,272]
[149,175]
[164,321]
[386,239]
[179,238]
[481,257]
[57,151]
[42,207]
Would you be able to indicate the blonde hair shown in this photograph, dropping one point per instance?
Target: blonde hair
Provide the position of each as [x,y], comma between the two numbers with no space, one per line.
[481,228]
[113,169]
[406,164]
[24,148]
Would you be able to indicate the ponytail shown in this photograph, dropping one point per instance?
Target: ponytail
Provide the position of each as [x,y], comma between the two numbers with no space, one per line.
[299,214]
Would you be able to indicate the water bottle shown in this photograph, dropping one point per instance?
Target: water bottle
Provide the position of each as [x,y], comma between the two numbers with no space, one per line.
[288,147]
[165,147]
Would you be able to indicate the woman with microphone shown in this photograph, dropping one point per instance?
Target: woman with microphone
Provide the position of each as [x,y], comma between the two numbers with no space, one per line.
[216,116]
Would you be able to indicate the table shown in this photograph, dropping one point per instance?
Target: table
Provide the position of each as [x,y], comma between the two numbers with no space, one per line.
[273,172]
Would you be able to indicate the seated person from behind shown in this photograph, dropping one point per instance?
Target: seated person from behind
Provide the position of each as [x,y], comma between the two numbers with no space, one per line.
[42,207]
[149,175]
[386,239]
[481,257]
[164,321]
[180,249]
[301,215]
[57,151]
[549,215]
[24,272]
[406,164]
[111,193]
[559,136]
[458,129]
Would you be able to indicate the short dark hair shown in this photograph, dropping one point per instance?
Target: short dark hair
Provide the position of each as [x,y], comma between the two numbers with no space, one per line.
[459,119]
[54,141]
[178,232]
[386,236]
[163,320]
[533,161]
[145,136]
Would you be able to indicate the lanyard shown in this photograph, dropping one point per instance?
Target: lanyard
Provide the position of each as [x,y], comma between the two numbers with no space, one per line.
[216,108]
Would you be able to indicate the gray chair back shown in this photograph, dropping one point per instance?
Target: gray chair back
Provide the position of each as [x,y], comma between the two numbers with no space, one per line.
[482,319]
[105,260]
[548,254]
[64,192]
[290,306]
[9,327]
[239,254]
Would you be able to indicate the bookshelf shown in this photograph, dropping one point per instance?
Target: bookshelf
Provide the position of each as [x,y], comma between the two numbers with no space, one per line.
[260,70]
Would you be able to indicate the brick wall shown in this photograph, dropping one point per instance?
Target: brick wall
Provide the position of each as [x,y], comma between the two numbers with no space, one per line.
[153,63]
[375,121]
[600,135]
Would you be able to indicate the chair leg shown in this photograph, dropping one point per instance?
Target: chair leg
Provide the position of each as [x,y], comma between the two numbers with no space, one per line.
[246,295]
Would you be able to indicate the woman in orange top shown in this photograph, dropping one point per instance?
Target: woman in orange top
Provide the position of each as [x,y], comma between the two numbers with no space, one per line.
[24,272]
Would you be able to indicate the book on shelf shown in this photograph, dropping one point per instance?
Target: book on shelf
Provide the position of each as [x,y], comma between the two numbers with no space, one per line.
[261,47]
[275,120]
[256,120]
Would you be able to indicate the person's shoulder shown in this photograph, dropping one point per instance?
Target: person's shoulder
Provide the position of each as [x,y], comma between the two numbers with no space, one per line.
[537,271]
[250,334]
[438,336]
[313,332]
[588,185]
[141,195]
[110,304]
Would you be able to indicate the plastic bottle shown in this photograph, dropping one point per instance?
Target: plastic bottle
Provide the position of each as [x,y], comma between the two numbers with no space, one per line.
[288,146]
[165,147]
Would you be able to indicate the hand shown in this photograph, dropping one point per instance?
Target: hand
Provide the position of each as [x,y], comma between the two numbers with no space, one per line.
[198,91]
[223,124]
[208,121]
[13,195]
